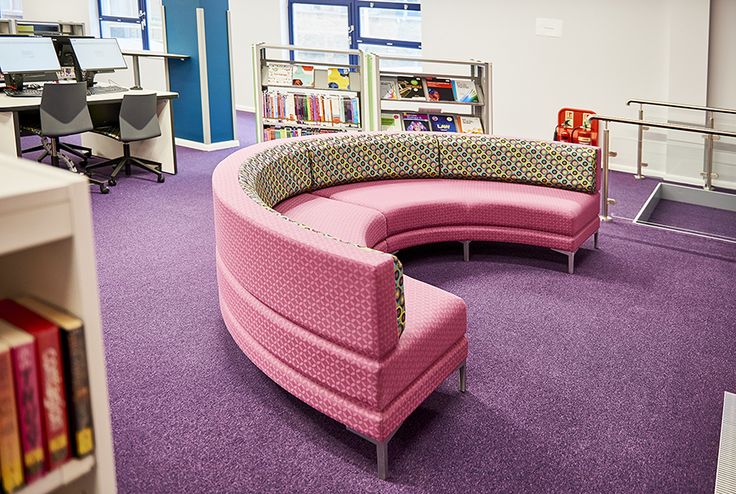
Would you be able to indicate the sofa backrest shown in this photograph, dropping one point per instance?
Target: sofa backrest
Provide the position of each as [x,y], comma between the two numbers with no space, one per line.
[551,164]
[347,294]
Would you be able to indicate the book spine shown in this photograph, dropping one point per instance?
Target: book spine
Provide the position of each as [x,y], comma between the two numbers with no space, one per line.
[11,464]
[51,386]
[78,398]
[29,410]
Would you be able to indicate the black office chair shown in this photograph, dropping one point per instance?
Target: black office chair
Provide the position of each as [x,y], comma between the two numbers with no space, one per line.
[63,112]
[137,122]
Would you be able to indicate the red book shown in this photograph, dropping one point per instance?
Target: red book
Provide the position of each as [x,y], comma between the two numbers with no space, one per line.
[23,359]
[50,378]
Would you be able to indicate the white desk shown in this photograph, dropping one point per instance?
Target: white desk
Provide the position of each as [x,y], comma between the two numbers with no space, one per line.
[136,54]
[160,149]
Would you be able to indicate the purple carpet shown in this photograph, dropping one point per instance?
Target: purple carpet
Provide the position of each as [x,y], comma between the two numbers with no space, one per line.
[610,380]
[697,218]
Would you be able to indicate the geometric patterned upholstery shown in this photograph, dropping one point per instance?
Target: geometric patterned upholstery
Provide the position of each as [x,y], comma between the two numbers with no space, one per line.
[364,157]
[278,173]
[552,164]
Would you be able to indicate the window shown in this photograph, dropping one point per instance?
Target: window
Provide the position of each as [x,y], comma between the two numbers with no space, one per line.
[11,8]
[137,24]
[386,28]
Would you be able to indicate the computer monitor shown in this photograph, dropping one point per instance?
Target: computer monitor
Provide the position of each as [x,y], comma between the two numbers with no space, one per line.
[98,54]
[27,55]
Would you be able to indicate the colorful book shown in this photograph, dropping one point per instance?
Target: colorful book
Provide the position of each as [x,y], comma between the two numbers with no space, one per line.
[410,88]
[389,88]
[74,352]
[443,123]
[279,74]
[391,121]
[470,125]
[50,378]
[11,463]
[338,78]
[439,89]
[303,75]
[25,373]
[416,122]
[465,91]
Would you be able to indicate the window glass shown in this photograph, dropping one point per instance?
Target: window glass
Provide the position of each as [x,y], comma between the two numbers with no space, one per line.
[321,26]
[154,18]
[11,8]
[119,8]
[391,24]
[129,34]
[395,65]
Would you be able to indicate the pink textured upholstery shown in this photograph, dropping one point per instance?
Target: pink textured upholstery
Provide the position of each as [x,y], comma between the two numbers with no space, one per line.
[318,315]
[410,205]
[350,222]
[308,290]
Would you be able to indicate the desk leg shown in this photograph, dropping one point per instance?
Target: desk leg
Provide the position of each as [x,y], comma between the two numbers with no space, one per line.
[9,133]
[160,149]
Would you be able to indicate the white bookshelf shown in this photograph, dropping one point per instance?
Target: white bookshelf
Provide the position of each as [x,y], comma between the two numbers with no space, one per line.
[265,54]
[25,26]
[47,250]
[481,73]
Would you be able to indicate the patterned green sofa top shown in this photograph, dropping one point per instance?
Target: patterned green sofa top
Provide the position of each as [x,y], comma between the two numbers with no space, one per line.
[304,165]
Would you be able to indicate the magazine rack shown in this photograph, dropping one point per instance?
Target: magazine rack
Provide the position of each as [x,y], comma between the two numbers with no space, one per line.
[47,251]
[265,55]
[379,66]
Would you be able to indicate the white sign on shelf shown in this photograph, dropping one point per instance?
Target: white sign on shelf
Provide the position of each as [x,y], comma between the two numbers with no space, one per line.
[549,27]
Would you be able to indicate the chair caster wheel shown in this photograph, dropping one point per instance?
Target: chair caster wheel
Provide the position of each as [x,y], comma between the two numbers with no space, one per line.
[104,189]
[112,182]
[161,179]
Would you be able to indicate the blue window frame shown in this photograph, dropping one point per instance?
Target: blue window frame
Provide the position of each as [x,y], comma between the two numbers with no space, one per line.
[125,20]
[387,27]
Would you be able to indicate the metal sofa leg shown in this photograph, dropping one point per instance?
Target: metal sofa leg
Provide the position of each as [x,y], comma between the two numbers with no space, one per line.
[463,376]
[595,239]
[466,250]
[570,260]
[381,451]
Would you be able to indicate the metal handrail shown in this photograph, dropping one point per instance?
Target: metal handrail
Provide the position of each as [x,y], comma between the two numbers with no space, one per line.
[606,153]
[681,106]
[662,125]
[707,172]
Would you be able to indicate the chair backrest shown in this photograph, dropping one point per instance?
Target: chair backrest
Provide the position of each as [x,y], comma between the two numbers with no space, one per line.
[64,109]
[138,119]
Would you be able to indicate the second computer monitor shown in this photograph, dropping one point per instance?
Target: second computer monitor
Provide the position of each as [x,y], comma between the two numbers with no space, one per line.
[98,54]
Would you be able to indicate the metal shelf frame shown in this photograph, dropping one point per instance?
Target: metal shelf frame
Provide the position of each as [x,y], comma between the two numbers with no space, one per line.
[263,54]
[476,70]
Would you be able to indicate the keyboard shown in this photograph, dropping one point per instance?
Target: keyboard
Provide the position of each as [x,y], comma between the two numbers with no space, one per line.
[24,93]
[105,90]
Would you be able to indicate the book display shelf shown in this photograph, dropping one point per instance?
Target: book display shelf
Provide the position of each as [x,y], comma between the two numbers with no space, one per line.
[47,252]
[305,91]
[440,95]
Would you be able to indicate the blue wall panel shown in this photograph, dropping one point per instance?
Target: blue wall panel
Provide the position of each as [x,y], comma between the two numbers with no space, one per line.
[181,33]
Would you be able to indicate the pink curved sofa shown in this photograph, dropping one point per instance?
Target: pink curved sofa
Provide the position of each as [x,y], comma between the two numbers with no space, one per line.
[307,286]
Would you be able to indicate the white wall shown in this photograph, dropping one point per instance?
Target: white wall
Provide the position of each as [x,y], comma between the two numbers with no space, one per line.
[253,21]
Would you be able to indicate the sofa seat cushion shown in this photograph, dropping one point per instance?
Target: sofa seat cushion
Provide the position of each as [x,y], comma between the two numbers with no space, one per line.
[349,222]
[528,207]
[435,321]
[406,204]
[425,203]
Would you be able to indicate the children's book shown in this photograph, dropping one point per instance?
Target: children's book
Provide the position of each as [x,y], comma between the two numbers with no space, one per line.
[411,88]
[303,76]
[443,123]
[439,89]
[391,121]
[470,125]
[416,122]
[465,90]
[279,74]
[338,78]
[389,88]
